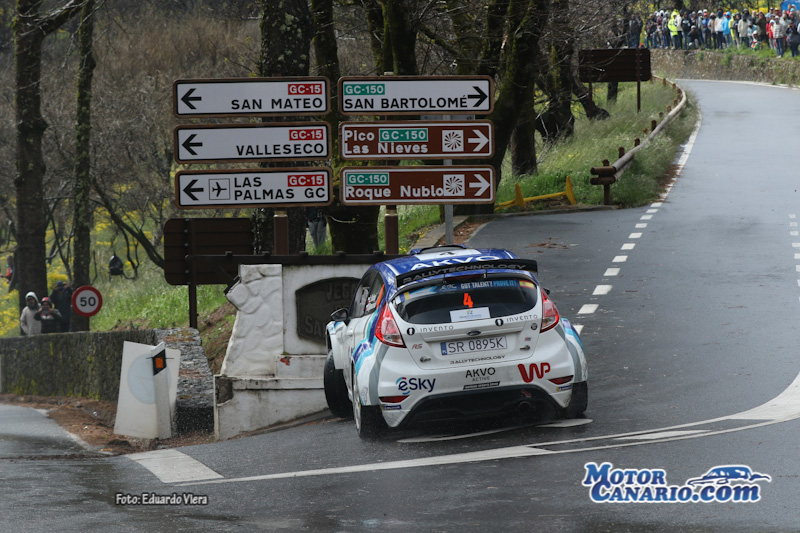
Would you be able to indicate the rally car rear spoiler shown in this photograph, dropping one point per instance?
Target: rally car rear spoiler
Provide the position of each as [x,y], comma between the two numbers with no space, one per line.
[489,264]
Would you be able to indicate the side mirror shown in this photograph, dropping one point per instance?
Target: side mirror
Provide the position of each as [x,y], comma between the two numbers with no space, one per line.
[341,315]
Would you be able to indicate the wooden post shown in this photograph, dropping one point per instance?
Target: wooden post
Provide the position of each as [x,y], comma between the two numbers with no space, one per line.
[390,230]
[192,276]
[280,224]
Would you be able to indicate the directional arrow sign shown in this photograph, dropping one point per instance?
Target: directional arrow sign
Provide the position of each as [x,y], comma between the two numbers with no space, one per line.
[251,97]
[273,187]
[416,140]
[284,141]
[417,185]
[414,95]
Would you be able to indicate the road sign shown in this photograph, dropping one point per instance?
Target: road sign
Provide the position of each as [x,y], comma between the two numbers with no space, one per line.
[615,64]
[284,141]
[416,140]
[414,95]
[273,187]
[86,301]
[417,185]
[251,97]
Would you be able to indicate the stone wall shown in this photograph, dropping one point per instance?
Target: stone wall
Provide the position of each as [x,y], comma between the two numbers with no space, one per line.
[89,365]
[711,65]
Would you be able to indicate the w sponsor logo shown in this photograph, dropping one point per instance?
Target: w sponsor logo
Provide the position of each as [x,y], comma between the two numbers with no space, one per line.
[533,370]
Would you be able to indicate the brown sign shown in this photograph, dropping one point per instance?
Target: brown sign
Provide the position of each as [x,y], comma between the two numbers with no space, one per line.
[204,236]
[416,140]
[417,185]
[614,64]
[316,302]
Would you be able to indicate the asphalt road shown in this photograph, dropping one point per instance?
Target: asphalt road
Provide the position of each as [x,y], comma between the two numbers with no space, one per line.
[688,309]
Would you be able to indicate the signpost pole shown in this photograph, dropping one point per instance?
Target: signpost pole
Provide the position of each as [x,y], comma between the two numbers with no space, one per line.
[192,277]
[391,230]
[280,222]
[449,238]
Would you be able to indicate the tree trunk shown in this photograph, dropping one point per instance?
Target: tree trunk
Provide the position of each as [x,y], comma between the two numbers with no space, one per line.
[523,141]
[527,20]
[401,36]
[82,208]
[352,229]
[30,29]
[286,33]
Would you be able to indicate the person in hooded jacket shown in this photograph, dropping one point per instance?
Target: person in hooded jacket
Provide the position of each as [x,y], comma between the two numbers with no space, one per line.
[50,318]
[28,324]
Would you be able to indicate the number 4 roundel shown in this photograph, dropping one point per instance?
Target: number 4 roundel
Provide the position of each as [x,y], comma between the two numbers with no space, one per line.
[86,301]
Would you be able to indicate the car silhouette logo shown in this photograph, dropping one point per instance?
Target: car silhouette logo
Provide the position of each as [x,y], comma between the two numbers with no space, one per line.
[722,475]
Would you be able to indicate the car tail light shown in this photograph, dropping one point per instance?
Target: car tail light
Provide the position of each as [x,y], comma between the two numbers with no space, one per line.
[549,313]
[387,330]
[392,399]
[561,381]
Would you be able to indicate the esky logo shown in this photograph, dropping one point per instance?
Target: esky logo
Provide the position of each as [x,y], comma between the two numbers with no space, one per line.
[406,385]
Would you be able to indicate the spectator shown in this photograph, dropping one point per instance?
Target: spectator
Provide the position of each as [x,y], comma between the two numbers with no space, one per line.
[9,275]
[115,266]
[62,301]
[741,32]
[708,28]
[779,31]
[693,38]
[793,39]
[719,30]
[672,26]
[28,325]
[50,318]
[762,28]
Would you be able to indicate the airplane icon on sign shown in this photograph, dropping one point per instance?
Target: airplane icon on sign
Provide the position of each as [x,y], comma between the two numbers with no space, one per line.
[219,188]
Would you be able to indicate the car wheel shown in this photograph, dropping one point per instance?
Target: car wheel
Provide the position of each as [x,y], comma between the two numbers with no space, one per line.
[336,389]
[369,420]
[579,400]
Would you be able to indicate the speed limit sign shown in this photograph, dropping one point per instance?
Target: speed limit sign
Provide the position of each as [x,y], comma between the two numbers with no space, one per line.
[86,301]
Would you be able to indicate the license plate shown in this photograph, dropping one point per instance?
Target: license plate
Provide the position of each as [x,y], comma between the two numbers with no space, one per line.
[485,344]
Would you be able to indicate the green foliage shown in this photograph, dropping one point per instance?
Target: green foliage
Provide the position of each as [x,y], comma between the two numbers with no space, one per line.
[596,140]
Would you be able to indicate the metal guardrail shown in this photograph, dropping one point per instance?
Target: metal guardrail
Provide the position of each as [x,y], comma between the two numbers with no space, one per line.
[609,173]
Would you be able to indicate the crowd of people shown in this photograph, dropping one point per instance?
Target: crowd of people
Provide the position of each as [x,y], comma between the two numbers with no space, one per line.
[776,30]
[50,315]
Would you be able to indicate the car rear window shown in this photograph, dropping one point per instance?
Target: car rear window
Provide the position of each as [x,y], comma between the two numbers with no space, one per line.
[460,302]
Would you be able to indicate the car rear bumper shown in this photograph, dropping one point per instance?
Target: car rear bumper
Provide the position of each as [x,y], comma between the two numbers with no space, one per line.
[525,400]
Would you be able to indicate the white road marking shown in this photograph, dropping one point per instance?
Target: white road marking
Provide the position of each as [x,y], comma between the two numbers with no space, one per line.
[663,434]
[635,236]
[652,211]
[439,438]
[794,233]
[646,217]
[783,408]
[578,328]
[611,272]
[628,246]
[588,309]
[172,466]
[656,204]
[601,290]
[620,259]
[796,244]
[641,225]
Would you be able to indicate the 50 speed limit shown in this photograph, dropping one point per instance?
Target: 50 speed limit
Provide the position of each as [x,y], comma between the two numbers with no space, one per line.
[86,301]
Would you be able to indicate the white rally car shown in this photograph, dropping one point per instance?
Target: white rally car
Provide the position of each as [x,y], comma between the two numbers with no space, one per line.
[451,332]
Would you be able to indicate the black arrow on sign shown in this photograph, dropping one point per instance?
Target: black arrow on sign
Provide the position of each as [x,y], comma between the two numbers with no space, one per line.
[188,144]
[188,98]
[481,96]
[189,190]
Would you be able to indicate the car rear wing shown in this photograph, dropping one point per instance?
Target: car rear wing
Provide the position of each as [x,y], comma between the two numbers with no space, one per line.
[451,268]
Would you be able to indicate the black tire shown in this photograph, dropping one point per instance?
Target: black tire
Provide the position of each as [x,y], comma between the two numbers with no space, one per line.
[579,401]
[369,420]
[336,389]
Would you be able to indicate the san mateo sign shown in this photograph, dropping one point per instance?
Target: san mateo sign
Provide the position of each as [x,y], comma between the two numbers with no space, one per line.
[251,97]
